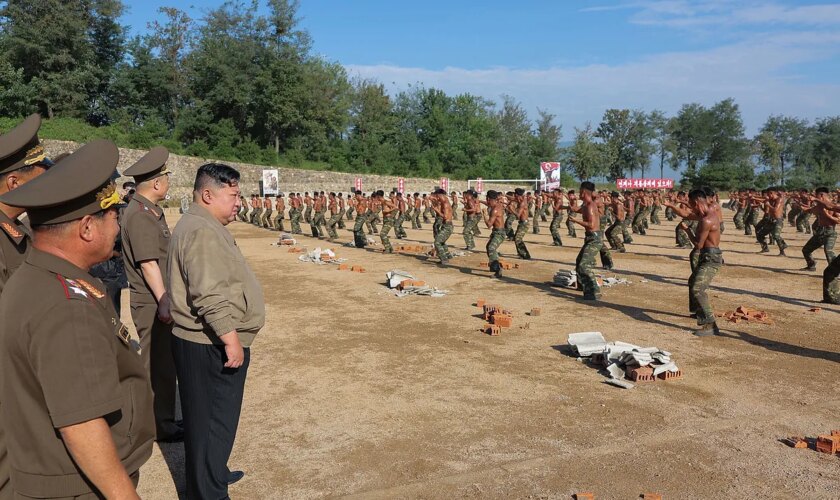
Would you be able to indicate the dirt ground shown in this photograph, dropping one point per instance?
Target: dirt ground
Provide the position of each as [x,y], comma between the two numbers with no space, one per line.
[355,392]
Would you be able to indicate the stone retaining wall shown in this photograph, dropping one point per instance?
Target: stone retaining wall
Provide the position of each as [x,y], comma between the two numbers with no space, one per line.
[291,179]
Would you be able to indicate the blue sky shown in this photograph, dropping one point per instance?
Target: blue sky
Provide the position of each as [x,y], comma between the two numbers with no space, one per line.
[576,59]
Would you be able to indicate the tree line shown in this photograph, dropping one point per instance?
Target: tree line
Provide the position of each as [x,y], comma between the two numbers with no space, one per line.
[242,83]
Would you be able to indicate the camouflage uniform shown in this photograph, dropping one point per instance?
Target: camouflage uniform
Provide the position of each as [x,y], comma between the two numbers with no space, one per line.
[278,221]
[738,219]
[536,226]
[793,213]
[399,231]
[771,227]
[294,215]
[654,215]
[613,237]
[266,218]
[544,212]
[371,218]
[585,262]
[803,222]
[606,256]
[387,225]
[317,222]
[470,223]
[497,237]
[415,222]
[341,214]
[683,241]
[519,240]
[755,215]
[822,237]
[359,230]
[332,224]
[556,220]
[509,220]
[638,222]
[709,261]
[831,282]
[443,234]
[570,226]
[625,234]
[307,214]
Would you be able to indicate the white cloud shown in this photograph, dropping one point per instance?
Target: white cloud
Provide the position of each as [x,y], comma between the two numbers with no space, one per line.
[685,14]
[756,73]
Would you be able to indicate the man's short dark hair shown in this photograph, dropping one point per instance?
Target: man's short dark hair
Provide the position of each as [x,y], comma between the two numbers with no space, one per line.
[492,195]
[710,193]
[519,191]
[615,194]
[821,189]
[587,186]
[128,185]
[216,174]
[698,193]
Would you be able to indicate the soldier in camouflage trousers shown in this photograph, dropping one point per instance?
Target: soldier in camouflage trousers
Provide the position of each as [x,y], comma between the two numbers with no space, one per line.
[831,282]
[708,264]
[521,216]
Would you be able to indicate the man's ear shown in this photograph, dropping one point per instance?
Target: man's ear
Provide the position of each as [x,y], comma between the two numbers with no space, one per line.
[85,228]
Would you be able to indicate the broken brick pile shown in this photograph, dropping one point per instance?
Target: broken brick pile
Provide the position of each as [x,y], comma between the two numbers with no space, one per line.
[507,266]
[825,443]
[497,317]
[746,314]
[625,361]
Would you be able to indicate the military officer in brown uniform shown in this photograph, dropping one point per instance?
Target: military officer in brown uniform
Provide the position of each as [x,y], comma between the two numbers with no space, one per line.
[145,240]
[75,394]
[22,158]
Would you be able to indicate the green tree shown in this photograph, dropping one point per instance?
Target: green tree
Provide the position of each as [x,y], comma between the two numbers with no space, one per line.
[690,133]
[781,144]
[663,143]
[615,131]
[588,158]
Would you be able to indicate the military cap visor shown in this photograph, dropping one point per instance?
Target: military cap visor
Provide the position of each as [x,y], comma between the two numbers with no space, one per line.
[20,147]
[78,185]
[151,165]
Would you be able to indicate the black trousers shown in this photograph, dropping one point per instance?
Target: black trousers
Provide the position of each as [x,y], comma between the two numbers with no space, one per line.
[211,401]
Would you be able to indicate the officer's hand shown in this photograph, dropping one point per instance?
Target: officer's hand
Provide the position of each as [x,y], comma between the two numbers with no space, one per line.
[233,350]
[163,310]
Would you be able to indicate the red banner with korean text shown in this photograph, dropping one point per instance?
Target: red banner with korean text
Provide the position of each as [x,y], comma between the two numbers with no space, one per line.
[644,184]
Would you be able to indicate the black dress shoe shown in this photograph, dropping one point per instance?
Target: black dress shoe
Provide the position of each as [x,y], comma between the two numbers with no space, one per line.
[234,476]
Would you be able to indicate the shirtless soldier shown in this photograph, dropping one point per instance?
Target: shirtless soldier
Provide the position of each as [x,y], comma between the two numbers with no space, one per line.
[774,221]
[388,211]
[496,223]
[471,211]
[557,217]
[361,205]
[522,226]
[824,232]
[707,245]
[443,209]
[335,216]
[613,234]
[592,242]
[280,205]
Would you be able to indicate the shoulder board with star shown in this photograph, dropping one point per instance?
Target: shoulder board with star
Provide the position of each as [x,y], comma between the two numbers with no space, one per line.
[152,211]
[73,289]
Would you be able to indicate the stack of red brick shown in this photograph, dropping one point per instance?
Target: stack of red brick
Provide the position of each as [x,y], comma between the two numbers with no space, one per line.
[825,443]
[746,314]
[497,317]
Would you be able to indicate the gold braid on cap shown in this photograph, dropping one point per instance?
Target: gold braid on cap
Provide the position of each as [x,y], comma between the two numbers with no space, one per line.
[35,155]
[108,196]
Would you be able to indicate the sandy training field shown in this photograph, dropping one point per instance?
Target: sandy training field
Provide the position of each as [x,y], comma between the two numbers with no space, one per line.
[355,392]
